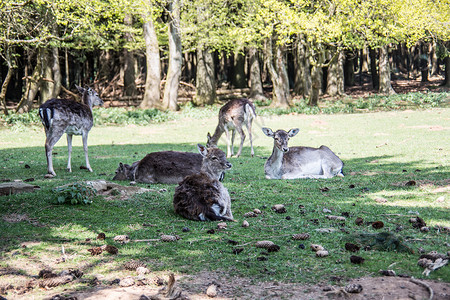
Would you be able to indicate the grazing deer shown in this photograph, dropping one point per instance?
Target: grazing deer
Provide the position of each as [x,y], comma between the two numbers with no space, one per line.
[299,162]
[232,116]
[69,116]
[202,196]
[161,167]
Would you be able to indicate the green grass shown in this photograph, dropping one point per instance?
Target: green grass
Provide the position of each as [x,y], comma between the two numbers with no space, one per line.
[381,152]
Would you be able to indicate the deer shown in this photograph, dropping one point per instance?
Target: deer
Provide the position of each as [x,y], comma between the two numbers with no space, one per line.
[232,116]
[299,162]
[61,116]
[201,196]
[161,167]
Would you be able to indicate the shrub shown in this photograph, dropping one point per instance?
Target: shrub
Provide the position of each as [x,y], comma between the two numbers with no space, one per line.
[75,193]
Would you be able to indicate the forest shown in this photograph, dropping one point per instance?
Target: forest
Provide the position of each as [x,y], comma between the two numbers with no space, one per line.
[161,53]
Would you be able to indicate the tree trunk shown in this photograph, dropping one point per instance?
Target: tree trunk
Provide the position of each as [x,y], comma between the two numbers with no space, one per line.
[239,79]
[256,87]
[434,59]
[56,70]
[447,71]
[152,94]
[5,84]
[32,88]
[373,69]
[302,85]
[46,84]
[385,73]
[276,64]
[175,58]
[364,61]
[316,85]
[349,71]
[129,74]
[205,79]
[335,76]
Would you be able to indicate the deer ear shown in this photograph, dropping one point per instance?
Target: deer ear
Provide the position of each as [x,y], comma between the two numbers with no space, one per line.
[293,132]
[121,166]
[208,136]
[202,149]
[267,131]
[80,89]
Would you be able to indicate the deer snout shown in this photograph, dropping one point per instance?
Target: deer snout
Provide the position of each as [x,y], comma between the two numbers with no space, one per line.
[285,149]
[228,165]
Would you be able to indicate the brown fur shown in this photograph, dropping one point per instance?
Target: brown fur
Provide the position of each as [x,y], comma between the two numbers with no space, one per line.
[202,196]
[161,167]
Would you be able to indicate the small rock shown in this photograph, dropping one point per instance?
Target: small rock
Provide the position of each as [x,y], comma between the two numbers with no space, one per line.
[245,223]
[142,270]
[315,247]
[185,229]
[257,211]
[425,229]
[127,281]
[279,208]
[222,225]
[211,291]
[322,253]
[353,288]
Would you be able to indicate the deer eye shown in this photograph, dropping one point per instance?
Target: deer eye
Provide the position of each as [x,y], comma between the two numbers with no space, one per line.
[214,158]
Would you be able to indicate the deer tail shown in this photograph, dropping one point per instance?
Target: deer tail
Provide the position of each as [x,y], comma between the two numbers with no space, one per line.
[46,115]
[250,109]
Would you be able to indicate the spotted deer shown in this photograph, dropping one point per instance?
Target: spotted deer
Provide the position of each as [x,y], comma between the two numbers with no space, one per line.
[201,196]
[161,167]
[61,116]
[299,162]
[232,116]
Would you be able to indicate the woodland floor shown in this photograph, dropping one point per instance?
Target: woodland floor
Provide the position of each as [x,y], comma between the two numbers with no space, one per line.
[195,286]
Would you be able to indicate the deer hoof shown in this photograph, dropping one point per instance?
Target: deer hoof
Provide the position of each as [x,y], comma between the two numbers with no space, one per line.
[49,175]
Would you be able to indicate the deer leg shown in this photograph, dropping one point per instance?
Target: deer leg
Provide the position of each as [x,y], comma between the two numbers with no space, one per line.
[229,150]
[242,134]
[233,134]
[50,142]
[85,147]
[69,149]
[249,129]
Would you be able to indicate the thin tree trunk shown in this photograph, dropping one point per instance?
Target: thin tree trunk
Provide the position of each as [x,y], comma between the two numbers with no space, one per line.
[447,71]
[175,58]
[363,60]
[335,76]
[316,85]
[56,70]
[152,94]
[434,59]
[276,64]
[46,84]
[373,69]
[239,79]
[385,73]
[5,84]
[256,87]
[302,85]
[32,88]
[205,79]
[129,75]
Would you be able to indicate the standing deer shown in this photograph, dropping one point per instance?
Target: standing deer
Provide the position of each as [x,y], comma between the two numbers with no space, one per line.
[61,116]
[202,196]
[232,116]
[161,167]
[299,162]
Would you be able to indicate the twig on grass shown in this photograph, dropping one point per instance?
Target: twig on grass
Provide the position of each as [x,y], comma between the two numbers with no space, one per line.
[424,284]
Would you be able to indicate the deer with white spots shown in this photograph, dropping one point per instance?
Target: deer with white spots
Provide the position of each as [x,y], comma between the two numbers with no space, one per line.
[61,116]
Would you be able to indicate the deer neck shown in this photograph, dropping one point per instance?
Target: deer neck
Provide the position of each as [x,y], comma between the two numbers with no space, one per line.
[87,100]
[212,173]
[274,163]
[217,134]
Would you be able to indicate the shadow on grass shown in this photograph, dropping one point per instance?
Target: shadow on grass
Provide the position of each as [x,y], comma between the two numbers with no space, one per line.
[149,215]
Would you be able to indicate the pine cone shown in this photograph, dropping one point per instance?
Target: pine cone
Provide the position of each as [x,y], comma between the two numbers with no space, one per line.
[96,251]
[300,236]
[359,221]
[250,214]
[356,259]
[46,274]
[257,211]
[101,236]
[123,239]
[264,244]
[378,225]
[133,265]
[353,288]
[169,238]
[315,247]
[351,247]
[279,208]
[111,249]
[55,281]
[322,253]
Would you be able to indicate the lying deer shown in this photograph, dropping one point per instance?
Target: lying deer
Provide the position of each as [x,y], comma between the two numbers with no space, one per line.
[61,116]
[202,196]
[161,167]
[232,116]
[299,162]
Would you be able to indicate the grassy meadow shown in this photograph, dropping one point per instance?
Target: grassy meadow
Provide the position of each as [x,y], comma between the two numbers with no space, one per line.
[396,166]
